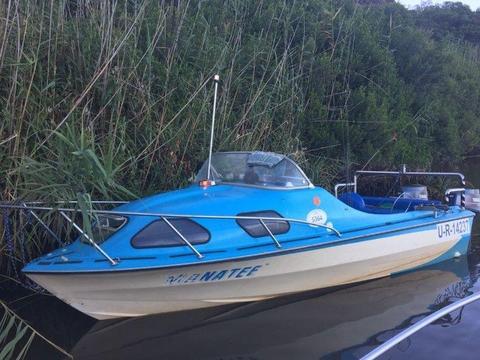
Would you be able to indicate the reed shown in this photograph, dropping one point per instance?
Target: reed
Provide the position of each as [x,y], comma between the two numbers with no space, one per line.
[16,336]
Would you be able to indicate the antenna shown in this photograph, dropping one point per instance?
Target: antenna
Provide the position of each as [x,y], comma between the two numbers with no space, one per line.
[216,79]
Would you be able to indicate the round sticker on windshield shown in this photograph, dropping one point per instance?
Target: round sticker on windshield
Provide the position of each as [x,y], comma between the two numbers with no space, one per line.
[317,216]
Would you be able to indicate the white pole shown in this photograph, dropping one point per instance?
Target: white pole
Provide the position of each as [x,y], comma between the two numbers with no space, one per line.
[216,79]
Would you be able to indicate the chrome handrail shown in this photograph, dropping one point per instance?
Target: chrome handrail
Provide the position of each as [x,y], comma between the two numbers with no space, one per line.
[411,173]
[45,226]
[188,243]
[180,216]
[165,218]
[341,185]
[387,345]
[404,172]
[90,240]
[277,243]
[101,202]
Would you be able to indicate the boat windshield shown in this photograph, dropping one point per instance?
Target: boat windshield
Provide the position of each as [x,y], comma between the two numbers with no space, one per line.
[260,169]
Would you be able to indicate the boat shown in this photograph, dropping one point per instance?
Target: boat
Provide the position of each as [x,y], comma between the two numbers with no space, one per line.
[251,226]
[257,229]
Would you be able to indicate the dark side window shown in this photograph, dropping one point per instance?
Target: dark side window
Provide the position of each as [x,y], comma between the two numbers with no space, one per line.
[158,234]
[255,228]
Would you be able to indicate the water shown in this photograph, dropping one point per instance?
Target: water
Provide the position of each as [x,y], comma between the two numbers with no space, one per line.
[343,323]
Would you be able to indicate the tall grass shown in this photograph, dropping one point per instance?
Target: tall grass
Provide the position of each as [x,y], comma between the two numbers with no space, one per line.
[117,92]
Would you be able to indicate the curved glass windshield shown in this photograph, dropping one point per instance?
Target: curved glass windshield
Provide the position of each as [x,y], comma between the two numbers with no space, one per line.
[256,168]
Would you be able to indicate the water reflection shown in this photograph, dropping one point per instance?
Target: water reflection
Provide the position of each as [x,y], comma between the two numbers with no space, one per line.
[447,338]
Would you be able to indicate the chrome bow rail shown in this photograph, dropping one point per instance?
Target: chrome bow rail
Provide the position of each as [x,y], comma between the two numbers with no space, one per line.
[389,344]
[165,217]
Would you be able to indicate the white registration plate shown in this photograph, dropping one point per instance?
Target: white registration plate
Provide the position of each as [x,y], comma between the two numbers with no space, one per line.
[453,228]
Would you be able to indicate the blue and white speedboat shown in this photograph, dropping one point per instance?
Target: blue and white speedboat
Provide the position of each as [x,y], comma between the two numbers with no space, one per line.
[252,226]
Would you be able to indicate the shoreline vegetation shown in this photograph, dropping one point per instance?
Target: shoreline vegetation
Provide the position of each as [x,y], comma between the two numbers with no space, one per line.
[112,100]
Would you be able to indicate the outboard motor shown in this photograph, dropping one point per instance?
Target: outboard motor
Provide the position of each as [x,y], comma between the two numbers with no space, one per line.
[415,191]
[472,199]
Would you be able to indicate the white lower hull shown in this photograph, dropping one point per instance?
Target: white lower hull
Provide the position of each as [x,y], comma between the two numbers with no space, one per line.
[136,293]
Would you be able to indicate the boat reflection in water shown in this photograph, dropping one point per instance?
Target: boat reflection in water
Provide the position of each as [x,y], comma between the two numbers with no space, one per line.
[302,326]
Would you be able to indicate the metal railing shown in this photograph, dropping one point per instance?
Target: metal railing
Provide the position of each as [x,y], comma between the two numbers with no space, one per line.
[389,344]
[404,172]
[342,185]
[90,240]
[94,202]
[164,217]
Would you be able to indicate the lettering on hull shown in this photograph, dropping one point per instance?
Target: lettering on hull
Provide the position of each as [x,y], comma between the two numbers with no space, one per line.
[453,229]
[214,275]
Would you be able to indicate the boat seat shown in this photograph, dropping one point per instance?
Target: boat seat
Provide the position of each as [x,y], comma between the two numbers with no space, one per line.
[403,204]
[353,200]
[357,202]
